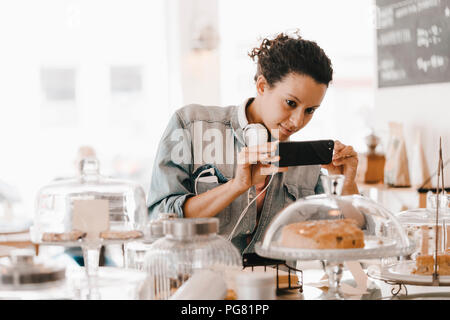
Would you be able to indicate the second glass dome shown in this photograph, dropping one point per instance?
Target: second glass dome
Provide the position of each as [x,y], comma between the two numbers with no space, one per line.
[420,225]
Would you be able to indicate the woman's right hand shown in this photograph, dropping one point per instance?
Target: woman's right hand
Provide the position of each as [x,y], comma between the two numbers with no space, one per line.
[250,169]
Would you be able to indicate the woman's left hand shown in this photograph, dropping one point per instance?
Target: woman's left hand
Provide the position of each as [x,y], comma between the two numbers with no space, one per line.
[345,162]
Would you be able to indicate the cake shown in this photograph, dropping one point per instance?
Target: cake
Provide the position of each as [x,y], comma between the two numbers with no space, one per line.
[425,264]
[323,234]
[73,235]
[121,235]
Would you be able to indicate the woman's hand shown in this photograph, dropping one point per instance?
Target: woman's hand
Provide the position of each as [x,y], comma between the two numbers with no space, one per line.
[345,162]
[250,170]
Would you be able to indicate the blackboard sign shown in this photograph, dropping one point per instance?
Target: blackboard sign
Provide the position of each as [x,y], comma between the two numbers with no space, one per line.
[413,42]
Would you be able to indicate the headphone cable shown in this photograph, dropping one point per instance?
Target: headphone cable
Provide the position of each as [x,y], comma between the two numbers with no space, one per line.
[248,206]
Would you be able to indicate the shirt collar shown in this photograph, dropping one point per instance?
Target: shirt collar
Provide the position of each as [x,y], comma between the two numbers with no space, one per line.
[242,117]
[239,120]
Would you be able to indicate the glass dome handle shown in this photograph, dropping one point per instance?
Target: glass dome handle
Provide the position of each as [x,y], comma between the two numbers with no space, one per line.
[89,167]
[333,184]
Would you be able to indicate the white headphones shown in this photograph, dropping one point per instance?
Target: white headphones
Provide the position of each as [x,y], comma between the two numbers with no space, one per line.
[255,134]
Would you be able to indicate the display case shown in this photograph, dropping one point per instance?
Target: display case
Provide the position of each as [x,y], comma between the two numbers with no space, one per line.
[429,263]
[420,225]
[13,217]
[88,211]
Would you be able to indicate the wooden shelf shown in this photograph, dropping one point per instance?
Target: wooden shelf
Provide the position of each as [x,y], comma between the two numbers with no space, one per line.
[395,199]
[382,186]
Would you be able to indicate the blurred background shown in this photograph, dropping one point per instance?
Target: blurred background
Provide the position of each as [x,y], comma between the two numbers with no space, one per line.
[108,74]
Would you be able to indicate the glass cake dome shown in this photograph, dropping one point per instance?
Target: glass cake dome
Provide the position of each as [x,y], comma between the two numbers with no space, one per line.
[383,234]
[420,225]
[89,203]
[334,229]
[13,217]
[88,211]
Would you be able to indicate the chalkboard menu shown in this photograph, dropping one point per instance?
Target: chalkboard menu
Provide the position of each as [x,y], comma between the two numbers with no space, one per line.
[413,42]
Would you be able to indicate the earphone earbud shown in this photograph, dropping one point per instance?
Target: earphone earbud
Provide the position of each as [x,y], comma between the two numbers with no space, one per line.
[255,134]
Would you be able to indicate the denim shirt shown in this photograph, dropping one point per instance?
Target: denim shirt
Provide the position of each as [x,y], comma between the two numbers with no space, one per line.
[206,137]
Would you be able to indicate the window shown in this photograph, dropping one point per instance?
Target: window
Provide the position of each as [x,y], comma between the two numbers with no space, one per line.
[58,84]
[126,79]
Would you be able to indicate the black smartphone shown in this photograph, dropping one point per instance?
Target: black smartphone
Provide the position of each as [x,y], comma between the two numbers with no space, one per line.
[304,153]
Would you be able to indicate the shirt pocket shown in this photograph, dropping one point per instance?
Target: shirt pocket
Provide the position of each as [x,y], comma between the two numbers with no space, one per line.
[291,194]
[224,216]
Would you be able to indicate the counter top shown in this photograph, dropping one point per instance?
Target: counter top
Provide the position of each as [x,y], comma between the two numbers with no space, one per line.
[377,289]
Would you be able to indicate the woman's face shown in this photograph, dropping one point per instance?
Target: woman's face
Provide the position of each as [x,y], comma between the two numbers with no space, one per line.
[289,105]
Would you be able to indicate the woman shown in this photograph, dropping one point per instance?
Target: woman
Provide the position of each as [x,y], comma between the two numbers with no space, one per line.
[204,168]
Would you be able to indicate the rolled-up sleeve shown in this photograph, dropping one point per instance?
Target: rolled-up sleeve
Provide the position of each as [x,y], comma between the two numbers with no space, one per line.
[171,184]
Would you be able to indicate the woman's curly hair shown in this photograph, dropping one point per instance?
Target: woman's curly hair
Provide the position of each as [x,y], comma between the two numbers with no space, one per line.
[285,54]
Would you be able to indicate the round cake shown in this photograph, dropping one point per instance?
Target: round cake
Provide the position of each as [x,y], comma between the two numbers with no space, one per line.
[323,234]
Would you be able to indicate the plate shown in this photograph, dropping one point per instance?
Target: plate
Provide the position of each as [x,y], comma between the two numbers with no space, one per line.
[35,238]
[374,247]
[402,272]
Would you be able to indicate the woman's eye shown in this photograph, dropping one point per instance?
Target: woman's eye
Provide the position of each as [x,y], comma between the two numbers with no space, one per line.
[310,110]
[291,103]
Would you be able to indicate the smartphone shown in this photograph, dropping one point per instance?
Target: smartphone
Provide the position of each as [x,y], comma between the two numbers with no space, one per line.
[304,153]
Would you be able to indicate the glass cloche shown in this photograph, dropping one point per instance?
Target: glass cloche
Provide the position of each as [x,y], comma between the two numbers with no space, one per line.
[420,225]
[189,246]
[334,229]
[13,216]
[88,211]
[56,203]
[428,264]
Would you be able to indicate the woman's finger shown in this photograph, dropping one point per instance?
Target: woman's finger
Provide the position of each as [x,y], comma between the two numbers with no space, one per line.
[247,157]
[267,158]
[346,152]
[338,146]
[270,169]
[345,160]
[268,147]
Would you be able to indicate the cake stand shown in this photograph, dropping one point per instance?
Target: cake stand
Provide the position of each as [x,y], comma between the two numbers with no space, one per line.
[91,203]
[400,274]
[333,259]
[91,255]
